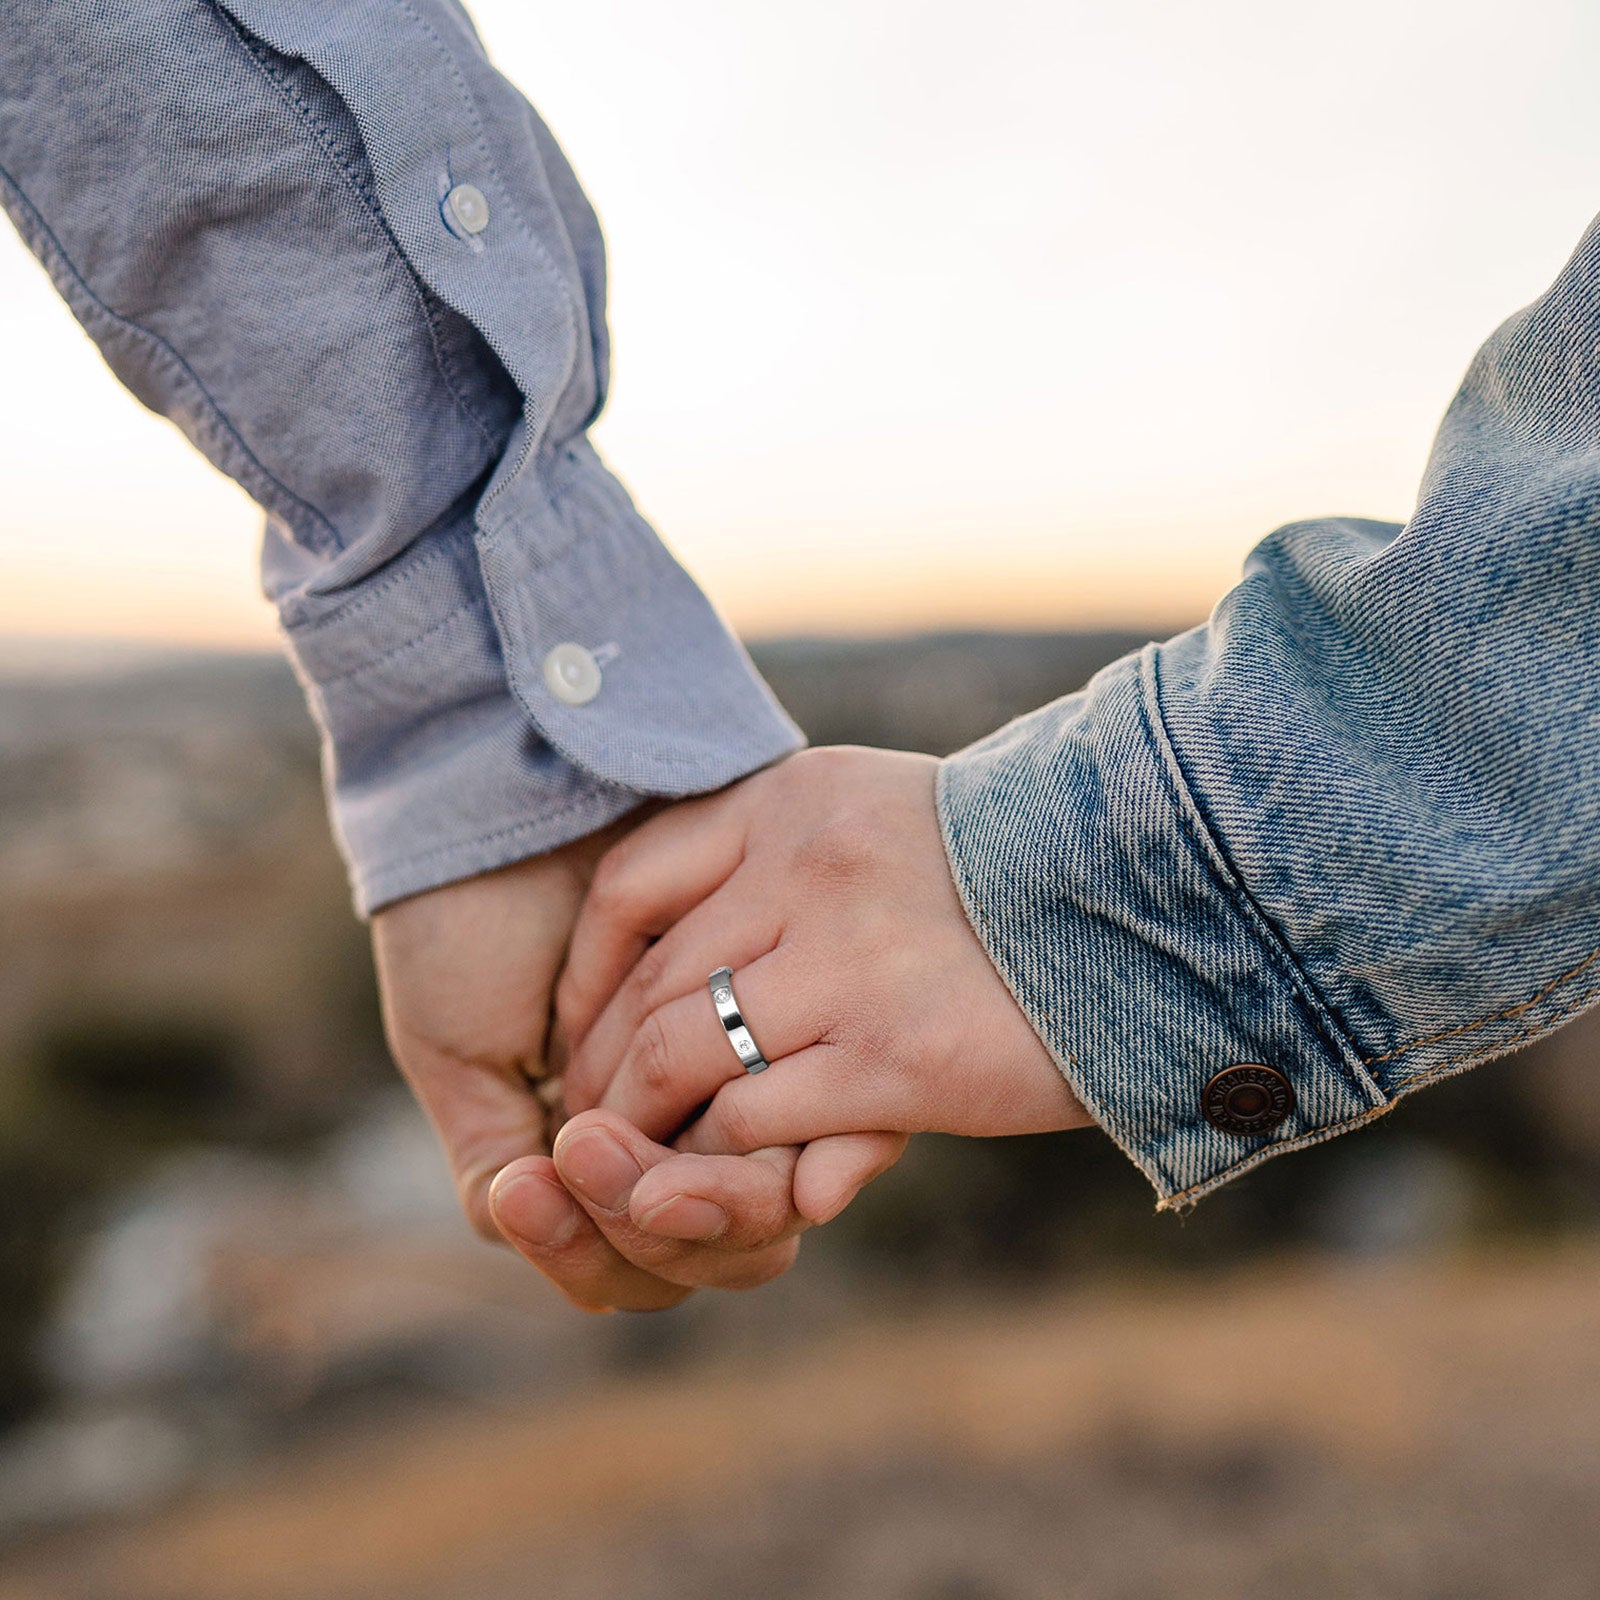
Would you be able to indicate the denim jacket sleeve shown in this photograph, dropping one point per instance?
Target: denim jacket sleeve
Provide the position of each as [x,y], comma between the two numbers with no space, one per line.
[340,252]
[1350,828]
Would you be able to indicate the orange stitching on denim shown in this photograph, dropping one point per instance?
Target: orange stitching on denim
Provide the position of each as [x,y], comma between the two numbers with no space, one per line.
[1502,1016]
[1549,1025]
[1311,1136]
[1174,1202]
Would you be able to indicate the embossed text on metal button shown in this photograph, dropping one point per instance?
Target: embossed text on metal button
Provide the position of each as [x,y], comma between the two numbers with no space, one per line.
[1248,1099]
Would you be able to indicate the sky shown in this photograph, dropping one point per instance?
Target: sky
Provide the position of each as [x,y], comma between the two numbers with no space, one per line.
[1032,314]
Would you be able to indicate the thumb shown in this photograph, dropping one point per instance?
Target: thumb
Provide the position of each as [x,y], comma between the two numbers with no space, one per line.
[485,1117]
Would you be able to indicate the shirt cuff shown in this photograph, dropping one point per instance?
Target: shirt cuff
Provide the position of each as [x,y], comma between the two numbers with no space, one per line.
[1093,880]
[449,750]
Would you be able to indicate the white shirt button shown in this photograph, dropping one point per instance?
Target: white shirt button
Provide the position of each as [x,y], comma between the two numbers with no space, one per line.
[469,208]
[572,674]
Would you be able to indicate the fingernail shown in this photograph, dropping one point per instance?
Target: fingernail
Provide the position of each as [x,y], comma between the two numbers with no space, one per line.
[535,1210]
[685,1216]
[595,1163]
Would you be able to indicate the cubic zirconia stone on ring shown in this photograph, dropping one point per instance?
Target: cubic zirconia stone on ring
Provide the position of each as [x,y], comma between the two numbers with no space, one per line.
[747,1050]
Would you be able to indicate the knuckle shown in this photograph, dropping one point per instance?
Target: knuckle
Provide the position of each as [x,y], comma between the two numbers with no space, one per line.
[845,849]
[652,1056]
[857,1029]
[923,1039]
[775,1222]
[733,1123]
[649,981]
[760,1222]
[610,891]
[884,1036]
[827,763]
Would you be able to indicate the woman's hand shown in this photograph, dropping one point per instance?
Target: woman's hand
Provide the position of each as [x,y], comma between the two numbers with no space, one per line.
[467,973]
[823,883]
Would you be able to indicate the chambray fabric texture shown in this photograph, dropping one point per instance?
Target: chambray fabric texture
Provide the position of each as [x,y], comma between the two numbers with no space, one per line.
[245,206]
[1350,828]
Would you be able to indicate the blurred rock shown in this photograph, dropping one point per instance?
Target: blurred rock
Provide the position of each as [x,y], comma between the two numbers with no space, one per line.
[1397,1199]
[103,1464]
[137,1312]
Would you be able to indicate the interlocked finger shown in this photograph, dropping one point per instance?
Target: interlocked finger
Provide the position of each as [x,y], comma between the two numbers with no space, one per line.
[681,1055]
[541,1220]
[735,1224]
[730,928]
[805,1096]
[647,883]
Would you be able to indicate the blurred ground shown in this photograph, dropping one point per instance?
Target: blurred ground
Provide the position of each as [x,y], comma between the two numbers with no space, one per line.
[247,1348]
[1317,1430]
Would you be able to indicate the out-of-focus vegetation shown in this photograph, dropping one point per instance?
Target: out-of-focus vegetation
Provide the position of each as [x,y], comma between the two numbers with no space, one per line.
[222,1231]
[178,965]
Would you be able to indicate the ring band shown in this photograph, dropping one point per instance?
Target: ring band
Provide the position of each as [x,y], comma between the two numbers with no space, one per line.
[745,1047]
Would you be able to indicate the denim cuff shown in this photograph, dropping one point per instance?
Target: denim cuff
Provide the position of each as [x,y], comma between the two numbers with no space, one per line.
[446,750]
[1097,888]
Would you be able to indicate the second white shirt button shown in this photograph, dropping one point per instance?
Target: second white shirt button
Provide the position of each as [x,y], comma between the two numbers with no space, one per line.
[572,674]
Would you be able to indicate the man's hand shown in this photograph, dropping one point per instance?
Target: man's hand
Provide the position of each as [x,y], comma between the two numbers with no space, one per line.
[823,883]
[467,973]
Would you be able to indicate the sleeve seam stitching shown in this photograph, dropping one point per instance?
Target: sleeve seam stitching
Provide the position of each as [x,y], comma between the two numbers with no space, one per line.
[426,551]
[313,123]
[1220,867]
[475,603]
[576,316]
[1445,1068]
[1511,1012]
[1549,1024]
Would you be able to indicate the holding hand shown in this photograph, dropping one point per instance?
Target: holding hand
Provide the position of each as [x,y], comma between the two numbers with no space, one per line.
[823,883]
[467,973]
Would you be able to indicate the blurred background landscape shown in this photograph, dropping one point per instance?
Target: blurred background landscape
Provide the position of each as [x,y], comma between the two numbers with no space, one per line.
[248,1349]
[956,354]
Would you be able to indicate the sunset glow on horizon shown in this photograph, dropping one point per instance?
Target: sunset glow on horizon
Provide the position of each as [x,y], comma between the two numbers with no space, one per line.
[915,326]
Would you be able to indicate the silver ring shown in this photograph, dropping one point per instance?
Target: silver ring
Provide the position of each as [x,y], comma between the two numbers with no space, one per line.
[747,1050]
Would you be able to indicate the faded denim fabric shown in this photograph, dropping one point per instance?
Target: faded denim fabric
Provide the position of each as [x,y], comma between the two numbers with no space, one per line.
[245,205]
[1351,827]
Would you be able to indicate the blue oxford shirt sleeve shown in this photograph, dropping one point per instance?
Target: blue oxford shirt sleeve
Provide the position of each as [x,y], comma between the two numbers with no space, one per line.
[347,259]
[1349,830]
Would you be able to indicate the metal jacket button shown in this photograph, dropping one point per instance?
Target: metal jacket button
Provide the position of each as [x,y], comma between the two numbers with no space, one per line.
[572,674]
[1247,1099]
